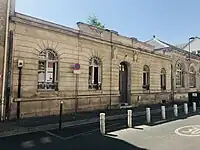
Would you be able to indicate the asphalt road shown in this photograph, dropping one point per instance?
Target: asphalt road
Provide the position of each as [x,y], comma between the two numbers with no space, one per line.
[82,137]
[181,134]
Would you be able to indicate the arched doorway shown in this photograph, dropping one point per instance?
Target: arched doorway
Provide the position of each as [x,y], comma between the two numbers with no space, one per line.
[124,80]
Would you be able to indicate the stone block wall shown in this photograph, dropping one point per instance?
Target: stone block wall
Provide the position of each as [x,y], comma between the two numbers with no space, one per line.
[77,47]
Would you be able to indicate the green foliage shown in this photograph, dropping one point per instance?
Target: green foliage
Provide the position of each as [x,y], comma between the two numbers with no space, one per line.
[93,20]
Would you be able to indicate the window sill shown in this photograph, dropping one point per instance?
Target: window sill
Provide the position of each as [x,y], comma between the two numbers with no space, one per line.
[192,87]
[163,90]
[180,87]
[94,90]
[46,90]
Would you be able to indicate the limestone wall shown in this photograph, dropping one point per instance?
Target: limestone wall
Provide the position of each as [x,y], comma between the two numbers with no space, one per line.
[78,47]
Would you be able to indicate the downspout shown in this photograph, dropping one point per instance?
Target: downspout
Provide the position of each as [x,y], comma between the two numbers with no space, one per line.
[8,77]
[172,83]
[5,60]
[111,42]
[77,77]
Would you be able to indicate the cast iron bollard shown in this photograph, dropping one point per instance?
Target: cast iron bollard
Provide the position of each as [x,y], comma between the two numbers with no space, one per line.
[130,118]
[102,123]
[163,112]
[60,118]
[175,110]
[148,115]
[185,108]
[194,107]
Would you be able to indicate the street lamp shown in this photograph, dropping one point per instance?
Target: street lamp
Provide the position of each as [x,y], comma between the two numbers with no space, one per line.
[191,38]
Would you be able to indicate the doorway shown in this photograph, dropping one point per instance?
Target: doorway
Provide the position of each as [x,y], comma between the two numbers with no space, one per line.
[124,86]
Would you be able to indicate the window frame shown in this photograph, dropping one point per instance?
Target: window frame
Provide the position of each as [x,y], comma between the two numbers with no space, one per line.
[95,62]
[179,75]
[163,79]
[192,77]
[44,57]
[146,77]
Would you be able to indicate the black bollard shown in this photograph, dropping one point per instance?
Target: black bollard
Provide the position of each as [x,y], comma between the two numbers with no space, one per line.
[60,120]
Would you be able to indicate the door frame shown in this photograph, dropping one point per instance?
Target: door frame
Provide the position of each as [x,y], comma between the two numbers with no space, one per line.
[128,66]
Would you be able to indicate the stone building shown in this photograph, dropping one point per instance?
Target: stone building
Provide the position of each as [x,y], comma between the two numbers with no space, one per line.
[114,69]
[185,68]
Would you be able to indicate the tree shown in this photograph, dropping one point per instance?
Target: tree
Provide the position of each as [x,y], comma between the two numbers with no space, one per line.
[93,20]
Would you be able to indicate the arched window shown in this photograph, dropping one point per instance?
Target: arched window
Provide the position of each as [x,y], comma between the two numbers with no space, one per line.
[179,76]
[163,79]
[48,70]
[192,77]
[94,80]
[146,77]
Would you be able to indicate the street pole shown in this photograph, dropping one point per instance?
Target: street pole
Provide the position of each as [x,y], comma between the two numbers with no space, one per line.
[60,116]
[19,92]
[5,61]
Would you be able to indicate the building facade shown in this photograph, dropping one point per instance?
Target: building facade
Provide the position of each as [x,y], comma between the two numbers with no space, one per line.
[185,68]
[193,45]
[114,69]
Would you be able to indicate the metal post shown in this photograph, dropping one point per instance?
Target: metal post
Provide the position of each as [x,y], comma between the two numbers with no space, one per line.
[130,118]
[194,107]
[60,117]
[163,112]
[19,92]
[102,123]
[185,108]
[175,110]
[5,60]
[148,115]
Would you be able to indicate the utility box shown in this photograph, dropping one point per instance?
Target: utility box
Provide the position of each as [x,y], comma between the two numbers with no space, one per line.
[194,97]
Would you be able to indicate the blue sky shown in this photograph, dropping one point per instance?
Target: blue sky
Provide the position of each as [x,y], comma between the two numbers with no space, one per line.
[173,21]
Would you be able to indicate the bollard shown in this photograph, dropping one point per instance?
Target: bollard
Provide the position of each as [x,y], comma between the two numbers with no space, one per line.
[175,110]
[185,108]
[102,123]
[130,118]
[148,115]
[194,107]
[60,118]
[163,112]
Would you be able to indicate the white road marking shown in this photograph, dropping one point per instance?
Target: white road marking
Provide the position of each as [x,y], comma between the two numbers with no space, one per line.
[190,131]
[45,140]
[28,144]
[141,127]
[55,135]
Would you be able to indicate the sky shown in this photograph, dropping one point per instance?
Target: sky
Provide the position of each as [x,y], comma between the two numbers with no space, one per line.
[173,21]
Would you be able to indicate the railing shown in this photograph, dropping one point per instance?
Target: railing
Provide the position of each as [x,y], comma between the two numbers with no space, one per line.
[48,85]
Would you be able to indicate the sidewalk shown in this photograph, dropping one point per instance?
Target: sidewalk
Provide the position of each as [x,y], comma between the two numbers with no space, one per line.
[34,124]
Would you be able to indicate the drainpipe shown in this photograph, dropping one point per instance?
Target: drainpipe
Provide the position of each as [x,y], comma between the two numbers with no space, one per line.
[172,83]
[5,60]
[111,42]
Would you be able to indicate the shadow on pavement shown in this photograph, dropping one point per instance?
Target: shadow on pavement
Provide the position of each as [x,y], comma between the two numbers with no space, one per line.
[100,142]
[42,141]
[51,119]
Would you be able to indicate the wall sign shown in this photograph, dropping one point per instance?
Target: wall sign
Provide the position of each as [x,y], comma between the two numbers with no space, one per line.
[76,68]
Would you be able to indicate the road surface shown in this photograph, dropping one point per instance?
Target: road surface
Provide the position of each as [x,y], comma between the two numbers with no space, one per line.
[84,136]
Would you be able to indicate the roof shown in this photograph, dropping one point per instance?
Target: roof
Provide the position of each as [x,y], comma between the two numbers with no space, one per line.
[157,44]
[181,45]
[172,47]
